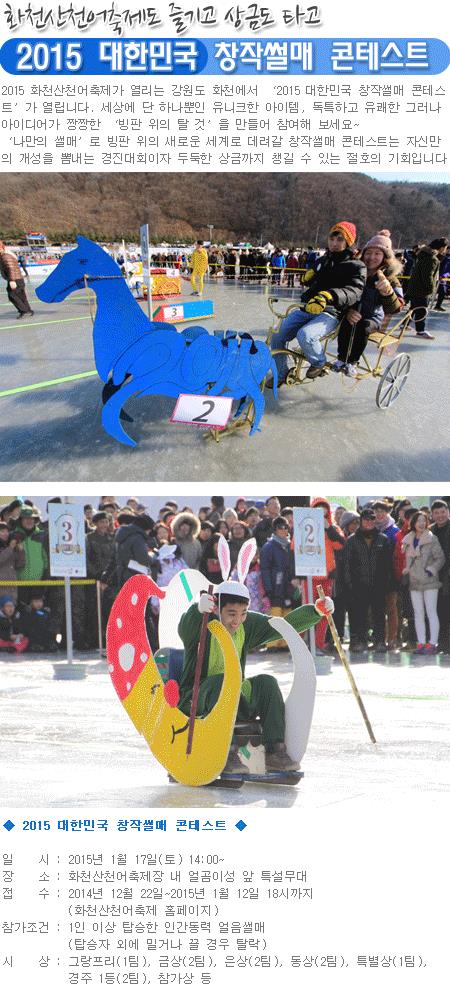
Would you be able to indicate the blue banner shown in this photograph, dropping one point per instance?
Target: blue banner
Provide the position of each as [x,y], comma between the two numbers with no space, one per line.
[224,57]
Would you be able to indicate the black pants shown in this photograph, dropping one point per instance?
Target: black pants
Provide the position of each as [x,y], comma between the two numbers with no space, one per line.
[341,605]
[362,601]
[443,610]
[18,296]
[420,307]
[352,339]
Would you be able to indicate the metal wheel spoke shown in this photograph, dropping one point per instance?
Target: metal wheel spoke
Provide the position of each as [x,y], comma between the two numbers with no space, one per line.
[387,395]
[393,381]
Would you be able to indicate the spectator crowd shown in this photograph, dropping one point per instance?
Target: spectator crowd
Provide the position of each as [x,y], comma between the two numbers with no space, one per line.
[387,568]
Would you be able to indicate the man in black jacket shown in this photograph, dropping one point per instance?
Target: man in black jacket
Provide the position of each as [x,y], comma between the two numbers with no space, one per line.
[424,281]
[441,528]
[368,572]
[132,542]
[99,550]
[334,285]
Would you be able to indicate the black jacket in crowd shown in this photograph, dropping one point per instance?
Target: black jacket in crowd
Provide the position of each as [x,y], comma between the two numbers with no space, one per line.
[130,542]
[99,549]
[368,567]
[343,276]
[443,537]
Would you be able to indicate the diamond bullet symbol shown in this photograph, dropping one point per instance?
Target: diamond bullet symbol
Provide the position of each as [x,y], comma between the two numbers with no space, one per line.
[241,825]
[9,825]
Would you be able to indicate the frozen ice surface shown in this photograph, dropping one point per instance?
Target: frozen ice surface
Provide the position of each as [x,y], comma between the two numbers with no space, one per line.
[70,743]
[60,426]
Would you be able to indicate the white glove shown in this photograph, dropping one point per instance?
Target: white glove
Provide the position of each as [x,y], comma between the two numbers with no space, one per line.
[324,606]
[206,604]
[13,285]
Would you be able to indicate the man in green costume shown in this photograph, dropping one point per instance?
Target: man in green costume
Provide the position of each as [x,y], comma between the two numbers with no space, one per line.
[260,696]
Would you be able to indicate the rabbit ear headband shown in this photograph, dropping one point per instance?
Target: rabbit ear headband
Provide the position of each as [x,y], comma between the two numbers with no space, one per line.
[245,556]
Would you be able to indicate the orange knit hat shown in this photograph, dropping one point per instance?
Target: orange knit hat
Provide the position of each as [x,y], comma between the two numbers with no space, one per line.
[347,230]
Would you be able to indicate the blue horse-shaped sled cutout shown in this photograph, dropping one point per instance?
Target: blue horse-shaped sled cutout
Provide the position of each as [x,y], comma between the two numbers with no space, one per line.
[136,357]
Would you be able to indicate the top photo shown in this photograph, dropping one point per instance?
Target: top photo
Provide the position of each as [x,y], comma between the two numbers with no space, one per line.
[224,326]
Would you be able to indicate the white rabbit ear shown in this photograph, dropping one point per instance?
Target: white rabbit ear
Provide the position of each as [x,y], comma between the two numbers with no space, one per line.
[223,553]
[245,556]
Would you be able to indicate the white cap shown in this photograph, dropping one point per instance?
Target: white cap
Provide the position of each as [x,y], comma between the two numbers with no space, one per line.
[234,588]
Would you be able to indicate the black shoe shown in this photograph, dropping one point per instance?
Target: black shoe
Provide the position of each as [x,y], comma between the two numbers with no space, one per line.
[234,764]
[278,759]
[315,372]
[440,309]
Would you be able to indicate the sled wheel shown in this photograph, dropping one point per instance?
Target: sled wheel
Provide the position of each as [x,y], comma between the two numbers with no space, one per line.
[297,366]
[392,381]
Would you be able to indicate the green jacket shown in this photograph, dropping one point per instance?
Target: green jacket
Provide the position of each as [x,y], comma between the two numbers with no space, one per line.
[257,632]
[424,275]
[35,555]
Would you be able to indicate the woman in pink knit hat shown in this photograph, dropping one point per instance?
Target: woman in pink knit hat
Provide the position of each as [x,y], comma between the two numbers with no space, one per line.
[382,294]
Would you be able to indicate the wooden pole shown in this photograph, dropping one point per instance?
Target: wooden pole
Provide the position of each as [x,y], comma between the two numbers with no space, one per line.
[197,677]
[345,663]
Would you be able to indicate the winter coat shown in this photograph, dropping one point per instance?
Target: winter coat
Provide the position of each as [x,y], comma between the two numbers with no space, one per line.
[423,562]
[8,626]
[443,537]
[99,549]
[368,567]
[278,260]
[38,627]
[277,571]
[9,266]
[342,275]
[424,276]
[292,262]
[10,561]
[36,561]
[390,529]
[190,546]
[131,542]
[374,306]
[399,555]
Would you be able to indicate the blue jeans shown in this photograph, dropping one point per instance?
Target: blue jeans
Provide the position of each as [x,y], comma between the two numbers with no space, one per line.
[307,330]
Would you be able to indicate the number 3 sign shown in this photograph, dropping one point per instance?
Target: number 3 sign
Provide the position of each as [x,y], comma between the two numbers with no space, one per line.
[202,411]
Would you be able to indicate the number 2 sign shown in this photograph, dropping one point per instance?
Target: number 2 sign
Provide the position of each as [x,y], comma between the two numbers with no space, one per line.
[202,411]
[309,541]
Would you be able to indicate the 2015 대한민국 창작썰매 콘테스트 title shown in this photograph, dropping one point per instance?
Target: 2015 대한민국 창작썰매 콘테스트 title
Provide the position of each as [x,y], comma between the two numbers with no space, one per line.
[213,318]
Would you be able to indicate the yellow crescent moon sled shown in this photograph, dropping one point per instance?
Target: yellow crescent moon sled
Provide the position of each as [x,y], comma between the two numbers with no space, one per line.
[150,703]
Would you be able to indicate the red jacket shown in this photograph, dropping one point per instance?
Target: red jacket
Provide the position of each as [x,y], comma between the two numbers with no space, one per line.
[399,555]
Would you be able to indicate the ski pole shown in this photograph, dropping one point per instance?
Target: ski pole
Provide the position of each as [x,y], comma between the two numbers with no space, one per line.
[345,663]
[197,676]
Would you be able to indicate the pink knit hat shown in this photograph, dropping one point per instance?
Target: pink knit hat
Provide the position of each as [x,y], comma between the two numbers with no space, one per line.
[381,241]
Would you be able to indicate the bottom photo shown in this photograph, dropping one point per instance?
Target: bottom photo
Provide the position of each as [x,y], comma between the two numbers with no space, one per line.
[207,651]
